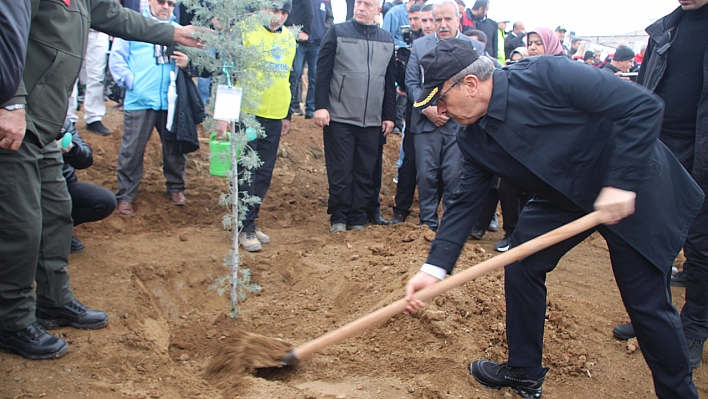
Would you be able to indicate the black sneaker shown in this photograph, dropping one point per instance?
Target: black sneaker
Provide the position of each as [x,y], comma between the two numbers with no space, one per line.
[376,218]
[73,314]
[477,234]
[98,128]
[695,353]
[678,279]
[297,111]
[624,331]
[495,375]
[503,245]
[76,245]
[33,343]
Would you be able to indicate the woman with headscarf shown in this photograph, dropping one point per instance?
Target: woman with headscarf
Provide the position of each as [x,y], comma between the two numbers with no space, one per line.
[543,41]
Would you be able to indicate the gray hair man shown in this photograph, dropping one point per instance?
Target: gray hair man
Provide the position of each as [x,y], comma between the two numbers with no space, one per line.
[566,147]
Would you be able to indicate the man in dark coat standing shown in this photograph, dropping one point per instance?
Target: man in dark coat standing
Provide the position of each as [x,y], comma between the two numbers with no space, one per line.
[588,142]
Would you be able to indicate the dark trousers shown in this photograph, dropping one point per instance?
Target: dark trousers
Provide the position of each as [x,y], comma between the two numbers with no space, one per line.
[438,163]
[304,55]
[694,315]
[644,288]
[35,232]
[137,129]
[261,177]
[89,202]
[373,207]
[512,199]
[401,102]
[350,156]
[405,189]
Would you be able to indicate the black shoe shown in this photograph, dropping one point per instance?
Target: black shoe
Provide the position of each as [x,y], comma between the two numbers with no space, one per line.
[398,217]
[679,279]
[73,314]
[297,111]
[309,115]
[477,234]
[494,224]
[695,353]
[98,128]
[33,343]
[624,331]
[495,375]
[378,219]
[503,245]
[76,245]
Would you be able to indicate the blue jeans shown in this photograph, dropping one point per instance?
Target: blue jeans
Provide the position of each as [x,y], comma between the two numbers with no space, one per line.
[305,54]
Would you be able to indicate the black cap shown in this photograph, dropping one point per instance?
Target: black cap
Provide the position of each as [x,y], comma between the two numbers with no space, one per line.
[623,53]
[442,62]
[588,54]
[286,6]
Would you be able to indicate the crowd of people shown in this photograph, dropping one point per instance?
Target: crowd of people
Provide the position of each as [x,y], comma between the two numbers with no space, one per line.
[461,88]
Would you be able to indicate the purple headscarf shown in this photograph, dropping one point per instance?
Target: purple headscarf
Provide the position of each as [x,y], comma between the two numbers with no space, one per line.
[551,44]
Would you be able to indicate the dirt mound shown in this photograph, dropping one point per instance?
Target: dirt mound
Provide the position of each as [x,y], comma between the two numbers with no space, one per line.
[153,273]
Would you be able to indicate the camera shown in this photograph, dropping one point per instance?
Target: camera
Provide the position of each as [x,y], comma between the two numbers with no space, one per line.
[405,30]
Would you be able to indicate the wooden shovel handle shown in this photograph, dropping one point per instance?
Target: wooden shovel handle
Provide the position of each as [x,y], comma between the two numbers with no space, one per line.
[530,247]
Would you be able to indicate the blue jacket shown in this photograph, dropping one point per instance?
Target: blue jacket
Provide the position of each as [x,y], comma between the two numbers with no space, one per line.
[133,66]
[577,130]
[394,19]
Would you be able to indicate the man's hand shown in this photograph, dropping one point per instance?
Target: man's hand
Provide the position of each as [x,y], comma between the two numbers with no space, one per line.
[322,117]
[387,127]
[401,93]
[286,127]
[183,35]
[302,36]
[615,204]
[12,128]
[221,128]
[180,58]
[417,283]
[432,114]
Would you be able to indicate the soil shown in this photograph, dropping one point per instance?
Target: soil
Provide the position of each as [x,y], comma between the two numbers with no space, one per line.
[152,273]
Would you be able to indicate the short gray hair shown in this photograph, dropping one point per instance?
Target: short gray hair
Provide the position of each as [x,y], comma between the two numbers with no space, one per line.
[443,2]
[482,68]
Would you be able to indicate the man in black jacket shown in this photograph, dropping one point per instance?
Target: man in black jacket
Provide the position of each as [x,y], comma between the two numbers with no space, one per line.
[301,15]
[675,67]
[589,142]
[14,30]
[355,108]
[514,39]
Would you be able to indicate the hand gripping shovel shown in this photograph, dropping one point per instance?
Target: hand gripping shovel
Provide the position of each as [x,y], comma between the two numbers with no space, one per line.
[261,345]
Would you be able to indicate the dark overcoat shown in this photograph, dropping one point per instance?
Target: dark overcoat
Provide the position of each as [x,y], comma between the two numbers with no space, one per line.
[577,129]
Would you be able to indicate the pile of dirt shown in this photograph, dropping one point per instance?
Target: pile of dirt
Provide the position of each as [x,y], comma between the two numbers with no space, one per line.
[154,275]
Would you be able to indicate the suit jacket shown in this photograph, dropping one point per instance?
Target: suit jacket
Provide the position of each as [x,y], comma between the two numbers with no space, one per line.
[414,83]
[577,130]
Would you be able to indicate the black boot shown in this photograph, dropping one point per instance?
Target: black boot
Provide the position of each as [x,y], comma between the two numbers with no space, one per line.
[495,375]
[376,218]
[33,343]
[73,314]
[624,331]
[398,217]
[76,245]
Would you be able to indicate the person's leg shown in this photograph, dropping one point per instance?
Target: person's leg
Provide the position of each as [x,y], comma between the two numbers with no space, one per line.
[451,165]
[174,165]
[89,202]
[267,149]
[96,59]
[20,233]
[137,128]
[400,111]
[71,110]
[311,58]
[296,77]
[367,153]
[427,159]
[339,144]
[694,315]
[405,189]
[487,213]
[510,199]
[373,206]
[647,297]
[525,282]
[53,285]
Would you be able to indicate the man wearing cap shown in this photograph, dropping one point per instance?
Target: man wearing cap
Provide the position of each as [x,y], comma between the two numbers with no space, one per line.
[355,99]
[437,156]
[566,147]
[560,32]
[621,62]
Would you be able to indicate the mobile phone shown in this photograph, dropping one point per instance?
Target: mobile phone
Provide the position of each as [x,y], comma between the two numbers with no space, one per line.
[631,75]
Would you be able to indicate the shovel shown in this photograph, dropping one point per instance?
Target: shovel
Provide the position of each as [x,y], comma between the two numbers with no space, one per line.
[261,345]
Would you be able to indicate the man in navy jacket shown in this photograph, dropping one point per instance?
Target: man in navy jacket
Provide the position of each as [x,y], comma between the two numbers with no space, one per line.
[582,140]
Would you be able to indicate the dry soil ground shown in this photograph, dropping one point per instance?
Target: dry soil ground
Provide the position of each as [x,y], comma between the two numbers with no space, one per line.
[152,274]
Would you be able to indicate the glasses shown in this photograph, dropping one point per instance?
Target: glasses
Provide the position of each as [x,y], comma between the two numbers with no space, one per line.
[169,3]
[440,98]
